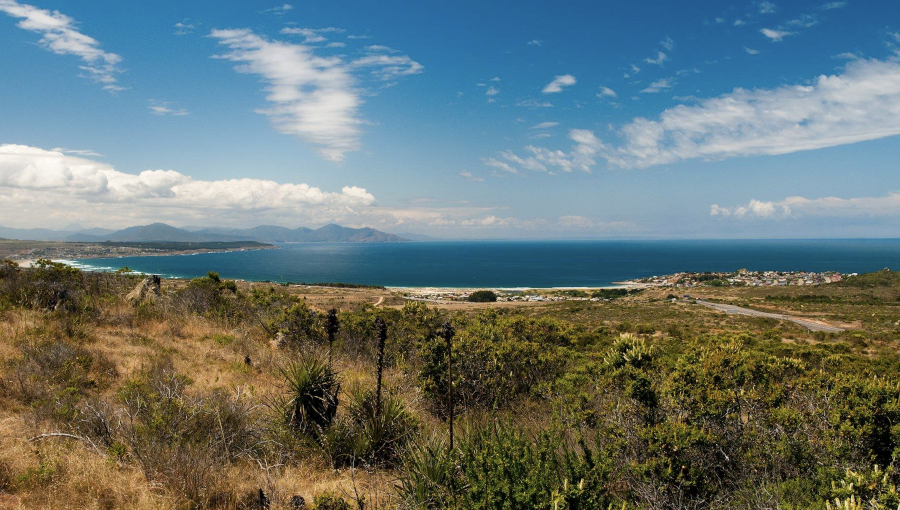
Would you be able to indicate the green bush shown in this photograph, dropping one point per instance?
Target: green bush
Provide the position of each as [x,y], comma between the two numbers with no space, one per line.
[312,395]
[482,296]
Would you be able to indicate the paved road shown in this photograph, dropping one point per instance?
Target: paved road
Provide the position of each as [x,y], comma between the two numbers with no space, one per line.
[811,325]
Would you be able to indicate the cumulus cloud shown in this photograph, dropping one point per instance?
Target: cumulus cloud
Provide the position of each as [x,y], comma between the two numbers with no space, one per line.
[60,35]
[62,184]
[797,206]
[767,8]
[312,97]
[861,104]
[558,83]
[751,51]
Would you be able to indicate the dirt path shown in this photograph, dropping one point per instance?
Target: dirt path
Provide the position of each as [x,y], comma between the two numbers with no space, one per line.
[380,300]
[807,323]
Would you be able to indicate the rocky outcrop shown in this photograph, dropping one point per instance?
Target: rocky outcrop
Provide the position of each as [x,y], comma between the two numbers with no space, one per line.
[146,291]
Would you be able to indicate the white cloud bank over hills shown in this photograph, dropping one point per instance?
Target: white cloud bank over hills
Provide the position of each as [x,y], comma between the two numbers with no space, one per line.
[316,98]
[60,185]
[60,35]
[862,103]
[43,188]
[819,207]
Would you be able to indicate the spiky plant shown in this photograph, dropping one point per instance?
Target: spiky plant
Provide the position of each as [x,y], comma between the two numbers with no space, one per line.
[312,395]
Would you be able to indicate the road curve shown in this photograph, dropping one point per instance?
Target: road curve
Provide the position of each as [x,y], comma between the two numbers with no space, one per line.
[738,310]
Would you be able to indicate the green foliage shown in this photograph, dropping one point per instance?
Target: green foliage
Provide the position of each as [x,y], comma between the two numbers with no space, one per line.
[482,296]
[501,467]
[874,489]
[330,501]
[496,360]
[312,399]
[364,436]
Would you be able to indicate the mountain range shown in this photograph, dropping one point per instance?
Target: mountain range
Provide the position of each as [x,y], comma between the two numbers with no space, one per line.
[161,232]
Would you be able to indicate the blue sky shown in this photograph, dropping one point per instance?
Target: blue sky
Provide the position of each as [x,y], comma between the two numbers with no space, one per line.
[464,119]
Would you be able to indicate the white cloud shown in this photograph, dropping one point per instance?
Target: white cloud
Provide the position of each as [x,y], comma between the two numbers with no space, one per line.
[751,51]
[668,44]
[184,28]
[658,86]
[468,175]
[495,78]
[834,5]
[796,206]
[606,92]
[545,125]
[279,10]
[847,55]
[776,35]
[581,157]
[311,35]
[312,97]
[739,22]
[59,34]
[658,60]
[388,67]
[492,91]
[535,42]
[534,103]
[767,8]
[62,185]
[315,98]
[495,163]
[336,45]
[861,104]
[560,81]
[165,108]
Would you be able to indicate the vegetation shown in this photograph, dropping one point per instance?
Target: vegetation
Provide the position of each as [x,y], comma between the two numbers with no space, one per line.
[482,296]
[224,395]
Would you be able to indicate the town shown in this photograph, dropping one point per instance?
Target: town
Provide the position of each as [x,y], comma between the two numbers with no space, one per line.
[740,278]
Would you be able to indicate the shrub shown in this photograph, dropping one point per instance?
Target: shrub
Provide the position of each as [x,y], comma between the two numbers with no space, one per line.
[312,399]
[482,296]
[366,437]
[428,477]
[330,501]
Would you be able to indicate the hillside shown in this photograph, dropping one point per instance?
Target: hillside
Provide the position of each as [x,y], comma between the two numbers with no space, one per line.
[221,394]
[162,232]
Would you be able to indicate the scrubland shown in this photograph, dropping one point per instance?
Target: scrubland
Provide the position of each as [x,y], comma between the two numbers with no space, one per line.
[214,394]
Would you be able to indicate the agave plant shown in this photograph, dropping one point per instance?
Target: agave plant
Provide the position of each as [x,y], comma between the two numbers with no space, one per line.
[312,398]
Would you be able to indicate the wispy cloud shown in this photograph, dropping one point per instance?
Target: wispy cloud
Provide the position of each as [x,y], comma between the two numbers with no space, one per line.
[834,5]
[311,35]
[862,103]
[607,92]
[751,51]
[184,28]
[558,83]
[658,60]
[165,108]
[658,86]
[776,35]
[313,97]
[535,42]
[581,157]
[468,175]
[60,35]
[767,7]
[545,125]
[279,10]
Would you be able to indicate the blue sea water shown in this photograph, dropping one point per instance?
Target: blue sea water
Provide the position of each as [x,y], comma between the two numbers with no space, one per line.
[512,264]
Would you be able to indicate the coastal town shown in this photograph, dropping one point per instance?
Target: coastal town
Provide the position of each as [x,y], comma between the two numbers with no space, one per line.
[740,278]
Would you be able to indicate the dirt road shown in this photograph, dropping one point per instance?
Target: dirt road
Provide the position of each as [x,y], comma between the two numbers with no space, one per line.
[809,324]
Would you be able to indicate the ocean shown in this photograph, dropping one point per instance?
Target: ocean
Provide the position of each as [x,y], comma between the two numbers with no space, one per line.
[515,264]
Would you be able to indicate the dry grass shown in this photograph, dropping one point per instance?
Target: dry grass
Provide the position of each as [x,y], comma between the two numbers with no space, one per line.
[62,473]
